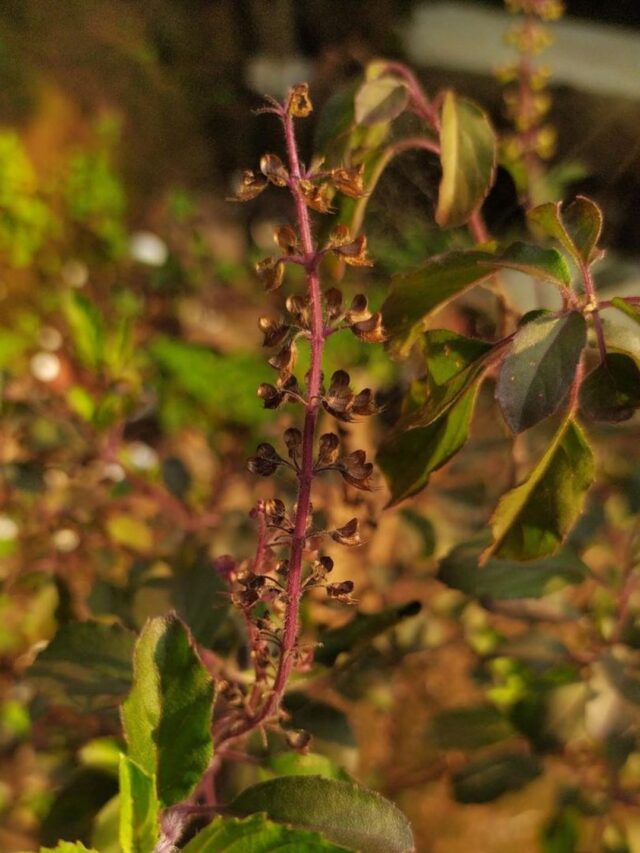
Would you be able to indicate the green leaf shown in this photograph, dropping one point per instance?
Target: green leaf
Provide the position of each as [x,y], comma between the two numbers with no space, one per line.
[449,353]
[380,100]
[343,811]
[621,338]
[611,392]
[417,294]
[75,805]
[542,264]
[170,686]
[86,665]
[87,328]
[533,519]
[106,827]
[318,718]
[577,227]
[454,364]
[139,808]
[256,834]
[561,833]
[68,847]
[488,778]
[468,157]
[407,459]
[508,579]
[363,628]
[469,728]
[538,372]
[631,309]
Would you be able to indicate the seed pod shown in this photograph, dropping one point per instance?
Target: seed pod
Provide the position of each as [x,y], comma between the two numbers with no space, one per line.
[298,307]
[357,471]
[349,181]
[270,271]
[271,397]
[348,534]
[363,403]
[266,460]
[358,310]
[298,740]
[355,253]
[326,564]
[340,591]
[274,510]
[299,104]
[329,449]
[316,197]
[371,331]
[274,332]
[274,170]
[340,236]
[284,360]
[287,239]
[339,397]
[293,440]
[333,304]
[251,185]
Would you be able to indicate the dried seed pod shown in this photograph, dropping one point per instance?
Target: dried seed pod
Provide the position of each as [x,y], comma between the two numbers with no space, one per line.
[363,403]
[333,304]
[340,236]
[284,360]
[326,564]
[340,591]
[316,197]
[271,397]
[274,170]
[299,104]
[329,449]
[293,440]
[287,239]
[357,471]
[348,534]
[270,271]
[298,307]
[355,253]
[274,510]
[266,460]
[274,332]
[358,310]
[251,185]
[339,398]
[371,331]
[283,568]
[298,740]
[349,181]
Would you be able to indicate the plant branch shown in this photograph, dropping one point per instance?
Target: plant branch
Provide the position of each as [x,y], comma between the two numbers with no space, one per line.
[305,473]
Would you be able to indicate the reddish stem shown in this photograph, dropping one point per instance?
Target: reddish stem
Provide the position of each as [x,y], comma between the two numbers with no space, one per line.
[590,290]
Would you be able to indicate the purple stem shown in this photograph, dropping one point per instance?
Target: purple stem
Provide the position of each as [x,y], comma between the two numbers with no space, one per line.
[590,290]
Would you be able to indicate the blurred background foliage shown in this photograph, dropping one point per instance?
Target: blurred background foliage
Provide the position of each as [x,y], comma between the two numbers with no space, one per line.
[129,359]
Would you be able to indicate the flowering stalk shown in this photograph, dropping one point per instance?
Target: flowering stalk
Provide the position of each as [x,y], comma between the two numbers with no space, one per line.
[526,99]
[314,318]
[310,260]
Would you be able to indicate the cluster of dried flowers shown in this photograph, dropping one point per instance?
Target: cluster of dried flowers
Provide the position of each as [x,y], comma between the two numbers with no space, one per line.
[289,559]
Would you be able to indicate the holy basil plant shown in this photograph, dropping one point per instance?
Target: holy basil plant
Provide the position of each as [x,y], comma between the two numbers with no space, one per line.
[205,687]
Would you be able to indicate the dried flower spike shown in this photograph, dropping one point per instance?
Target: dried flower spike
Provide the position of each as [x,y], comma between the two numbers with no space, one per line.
[251,185]
[270,271]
